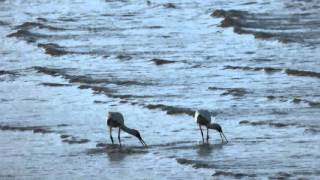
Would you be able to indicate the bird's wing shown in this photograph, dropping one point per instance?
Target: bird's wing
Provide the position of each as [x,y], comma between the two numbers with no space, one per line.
[117,116]
[205,114]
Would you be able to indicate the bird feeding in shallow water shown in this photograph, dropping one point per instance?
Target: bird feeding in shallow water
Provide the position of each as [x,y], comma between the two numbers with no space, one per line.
[116,120]
[203,118]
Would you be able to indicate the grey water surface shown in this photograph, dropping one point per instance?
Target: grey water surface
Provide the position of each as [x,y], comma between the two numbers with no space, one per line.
[253,64]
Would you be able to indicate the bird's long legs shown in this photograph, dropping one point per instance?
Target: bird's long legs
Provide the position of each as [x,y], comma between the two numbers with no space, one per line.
[110,130]
[207,135]
[119,137]
[201,133]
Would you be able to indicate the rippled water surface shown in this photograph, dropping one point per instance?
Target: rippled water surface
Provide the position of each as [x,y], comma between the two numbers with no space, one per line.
[253,64]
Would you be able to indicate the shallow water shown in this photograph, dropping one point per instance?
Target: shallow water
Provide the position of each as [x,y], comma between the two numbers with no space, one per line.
[253,65]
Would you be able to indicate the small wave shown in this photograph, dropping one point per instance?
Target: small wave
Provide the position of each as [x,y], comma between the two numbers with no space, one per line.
[269,123]
[290,72]
[159,62]
[53,49]
[45,130]
[249,3]
[27,35]
[34,129]
[2,23]
[70,139]
[100,102]
[4,72]
[124,57]
[244,68]
[231,91]
[247,68]
[223,13]
[195,163]
[152,27]
[63,136]
[312,130]
[50,71]
[314,104]
[90,80]
[34,99]
[73,140]
[271,97]
[232,174]
[67,19]
[97,85]
[297,100]
[98,89]
[111,93]
[256,34]
[24,32]
[294,100]
[215,88]
[42,19]
[86,79]
[271,70]
[172,110]
[29,25]
[235,92]
[128,96]
[277,26]
[170,6]
[281,175]
[237,20]
[279,112]
[294,72]
[5,100]
[54,84]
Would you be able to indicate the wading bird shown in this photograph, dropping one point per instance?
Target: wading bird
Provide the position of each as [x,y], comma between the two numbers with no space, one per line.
[203,118]
[116,120]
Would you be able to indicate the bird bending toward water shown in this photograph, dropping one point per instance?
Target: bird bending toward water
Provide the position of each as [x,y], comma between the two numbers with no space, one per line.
[203,118]
[116,120]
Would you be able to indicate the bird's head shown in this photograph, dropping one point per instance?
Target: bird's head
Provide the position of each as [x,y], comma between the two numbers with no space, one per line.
[136,133]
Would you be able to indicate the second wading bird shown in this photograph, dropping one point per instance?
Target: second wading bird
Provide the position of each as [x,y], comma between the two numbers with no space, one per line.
[116,120]
[203,118]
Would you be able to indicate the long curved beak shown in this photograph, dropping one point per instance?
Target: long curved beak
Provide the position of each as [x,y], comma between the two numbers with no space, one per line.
[225,137]
[142,142]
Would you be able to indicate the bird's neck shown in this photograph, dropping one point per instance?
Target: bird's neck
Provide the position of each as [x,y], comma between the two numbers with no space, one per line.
[215,126]
[127,130]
